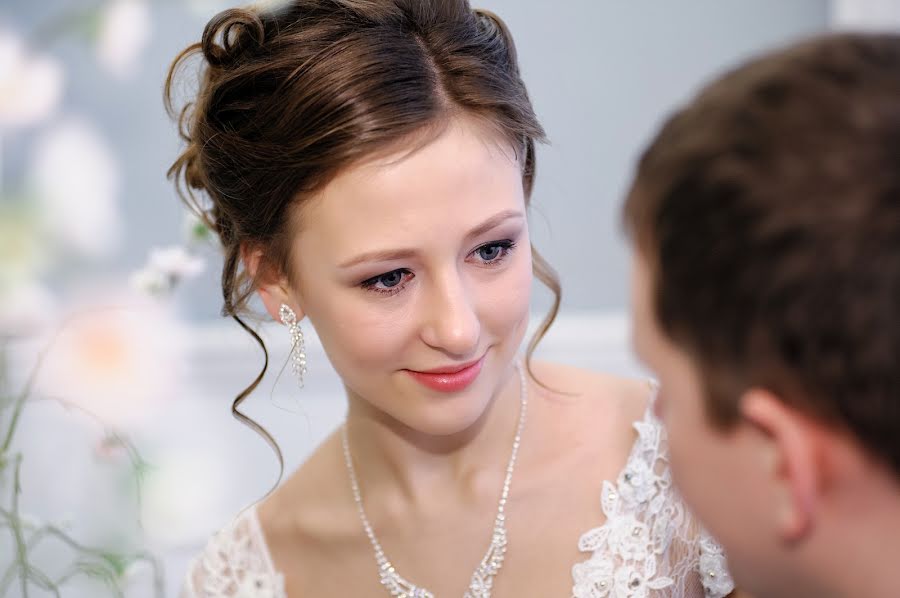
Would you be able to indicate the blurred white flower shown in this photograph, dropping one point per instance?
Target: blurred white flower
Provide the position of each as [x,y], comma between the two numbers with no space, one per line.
[149,281]
[120,363]
[75,178]
[125,28]
[30,86]
[110,449]
[138,574]
[175,261]
[166,267]
[182,497]
[25,309]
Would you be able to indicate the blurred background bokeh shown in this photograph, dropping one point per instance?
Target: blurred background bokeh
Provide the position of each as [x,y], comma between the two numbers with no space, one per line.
[118,453]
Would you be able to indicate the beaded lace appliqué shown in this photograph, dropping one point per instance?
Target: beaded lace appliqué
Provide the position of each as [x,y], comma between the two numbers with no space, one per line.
[235,564]
[649,546]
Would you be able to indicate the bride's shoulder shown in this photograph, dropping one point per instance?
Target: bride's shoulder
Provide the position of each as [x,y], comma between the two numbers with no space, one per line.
[587,391]
[592,409]
[242,558]
[303,509]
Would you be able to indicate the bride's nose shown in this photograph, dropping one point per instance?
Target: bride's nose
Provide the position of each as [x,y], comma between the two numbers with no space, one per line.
[449,318]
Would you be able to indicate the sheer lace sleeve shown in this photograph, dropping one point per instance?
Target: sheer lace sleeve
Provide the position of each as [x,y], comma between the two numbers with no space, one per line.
[650,546]
[235,564]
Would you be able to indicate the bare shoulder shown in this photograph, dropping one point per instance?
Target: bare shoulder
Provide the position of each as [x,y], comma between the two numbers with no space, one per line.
[303,509]
[590,390]
[310,518]
[596,408]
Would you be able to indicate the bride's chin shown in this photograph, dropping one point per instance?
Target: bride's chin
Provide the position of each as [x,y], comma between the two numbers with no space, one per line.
[447,422]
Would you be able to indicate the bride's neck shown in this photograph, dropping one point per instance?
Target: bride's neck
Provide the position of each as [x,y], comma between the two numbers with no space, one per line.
[392,457]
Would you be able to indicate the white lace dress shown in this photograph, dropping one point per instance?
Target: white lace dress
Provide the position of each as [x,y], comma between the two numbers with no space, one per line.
[649,546]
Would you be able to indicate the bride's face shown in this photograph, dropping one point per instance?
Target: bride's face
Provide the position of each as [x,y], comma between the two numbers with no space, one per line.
[416,262]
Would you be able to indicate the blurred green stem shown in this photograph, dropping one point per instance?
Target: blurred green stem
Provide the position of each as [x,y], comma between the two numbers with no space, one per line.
[4,372]
[15,522]
[20,402]
[104,566]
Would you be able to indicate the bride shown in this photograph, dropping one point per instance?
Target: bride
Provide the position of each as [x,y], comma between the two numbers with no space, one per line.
[367,166]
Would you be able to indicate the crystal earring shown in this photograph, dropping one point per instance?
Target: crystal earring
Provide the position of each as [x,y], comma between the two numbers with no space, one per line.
[298,347]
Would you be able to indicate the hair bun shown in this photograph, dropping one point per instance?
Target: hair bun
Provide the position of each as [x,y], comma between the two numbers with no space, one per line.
[494,27]
[230,34]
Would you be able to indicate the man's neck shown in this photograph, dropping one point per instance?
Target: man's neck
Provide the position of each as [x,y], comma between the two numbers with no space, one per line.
[860,540]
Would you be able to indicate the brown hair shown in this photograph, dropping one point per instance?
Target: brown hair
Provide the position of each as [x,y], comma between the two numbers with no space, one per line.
[291,96]
[769,212]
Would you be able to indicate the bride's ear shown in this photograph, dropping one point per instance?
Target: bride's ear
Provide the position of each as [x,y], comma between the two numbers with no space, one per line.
[271,284]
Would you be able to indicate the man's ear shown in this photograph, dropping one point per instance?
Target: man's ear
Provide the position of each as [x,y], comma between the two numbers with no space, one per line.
[271,286]
[790,459]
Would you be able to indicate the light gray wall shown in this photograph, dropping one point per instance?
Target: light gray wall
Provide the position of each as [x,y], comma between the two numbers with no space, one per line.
[602,74]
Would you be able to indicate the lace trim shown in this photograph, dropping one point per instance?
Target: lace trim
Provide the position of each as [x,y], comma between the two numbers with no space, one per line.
[649,542]
[236,564]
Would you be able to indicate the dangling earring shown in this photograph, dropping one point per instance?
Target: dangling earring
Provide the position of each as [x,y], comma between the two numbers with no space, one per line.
[298,347]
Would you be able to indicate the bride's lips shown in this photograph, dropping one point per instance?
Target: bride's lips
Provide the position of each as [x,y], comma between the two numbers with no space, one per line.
[451,378]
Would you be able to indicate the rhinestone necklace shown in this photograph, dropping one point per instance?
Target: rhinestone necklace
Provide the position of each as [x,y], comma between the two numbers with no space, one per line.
[483,576]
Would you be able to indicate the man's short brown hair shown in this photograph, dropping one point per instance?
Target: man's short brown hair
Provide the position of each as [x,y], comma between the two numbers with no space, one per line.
[769,212]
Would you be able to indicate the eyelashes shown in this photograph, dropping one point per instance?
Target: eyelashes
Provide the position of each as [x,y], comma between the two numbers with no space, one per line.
[392,282]
[497,251]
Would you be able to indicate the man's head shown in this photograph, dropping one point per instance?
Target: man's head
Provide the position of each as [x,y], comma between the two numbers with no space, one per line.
[765,218]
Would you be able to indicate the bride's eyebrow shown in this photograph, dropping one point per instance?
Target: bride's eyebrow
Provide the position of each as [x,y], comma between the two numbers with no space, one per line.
[494,221]
[379,256]
[388,255]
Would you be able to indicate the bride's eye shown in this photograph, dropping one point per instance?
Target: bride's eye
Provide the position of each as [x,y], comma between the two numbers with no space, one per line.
[389,282]
[494,252]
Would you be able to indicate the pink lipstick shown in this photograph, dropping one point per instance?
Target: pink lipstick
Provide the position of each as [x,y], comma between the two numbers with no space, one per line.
[451,378]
